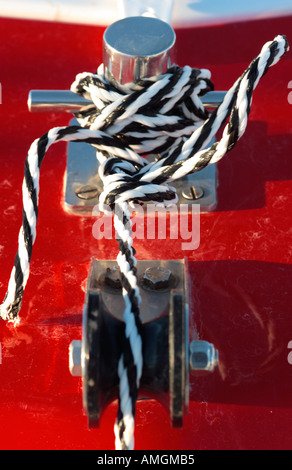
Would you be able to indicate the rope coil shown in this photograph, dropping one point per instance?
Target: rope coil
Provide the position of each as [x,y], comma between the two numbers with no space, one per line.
[163,115]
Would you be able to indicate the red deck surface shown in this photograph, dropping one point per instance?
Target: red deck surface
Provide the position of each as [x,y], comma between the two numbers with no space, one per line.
[240,274]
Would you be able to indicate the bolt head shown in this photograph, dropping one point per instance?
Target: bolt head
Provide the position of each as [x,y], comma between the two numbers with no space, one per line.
[157,277]
[203,357]
[112,278]
[75,354]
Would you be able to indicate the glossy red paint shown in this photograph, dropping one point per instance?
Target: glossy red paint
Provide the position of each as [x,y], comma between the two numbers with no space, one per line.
[240,274]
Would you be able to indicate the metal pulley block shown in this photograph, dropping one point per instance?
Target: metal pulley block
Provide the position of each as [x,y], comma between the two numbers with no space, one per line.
[133,48]
[168,357]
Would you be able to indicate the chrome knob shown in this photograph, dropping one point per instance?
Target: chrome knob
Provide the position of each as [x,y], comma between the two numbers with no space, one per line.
[137,47]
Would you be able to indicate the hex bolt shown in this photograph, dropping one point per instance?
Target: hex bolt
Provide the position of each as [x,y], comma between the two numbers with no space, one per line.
[86,192]
[193,193]
[112,278]
[203,357]
[75,353]
[157,278]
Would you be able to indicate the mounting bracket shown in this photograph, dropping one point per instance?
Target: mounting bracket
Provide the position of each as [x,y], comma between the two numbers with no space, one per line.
[168,358]
[83,184]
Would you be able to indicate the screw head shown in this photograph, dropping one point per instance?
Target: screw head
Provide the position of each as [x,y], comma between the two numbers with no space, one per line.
[157,278]
[193,193]
[86,192]
[203,357]
[75,354]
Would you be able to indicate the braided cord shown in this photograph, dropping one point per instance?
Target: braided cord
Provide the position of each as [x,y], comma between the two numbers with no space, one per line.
[164,115]
[131,361]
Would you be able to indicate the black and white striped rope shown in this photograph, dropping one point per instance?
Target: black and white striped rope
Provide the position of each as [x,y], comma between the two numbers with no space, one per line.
[131,362]
[162,115]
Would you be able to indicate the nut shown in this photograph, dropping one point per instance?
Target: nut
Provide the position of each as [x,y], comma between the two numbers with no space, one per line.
[157,278]
[75,366]
[112,278]
[203,357]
